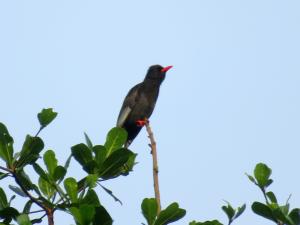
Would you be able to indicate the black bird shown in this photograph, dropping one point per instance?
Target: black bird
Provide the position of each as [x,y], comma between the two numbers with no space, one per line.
[140,101]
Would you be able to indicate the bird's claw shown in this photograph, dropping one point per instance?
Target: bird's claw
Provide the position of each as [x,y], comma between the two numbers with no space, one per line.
[141,123]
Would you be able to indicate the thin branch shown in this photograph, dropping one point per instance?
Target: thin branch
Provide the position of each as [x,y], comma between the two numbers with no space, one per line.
[48,211]
[155,165]
[5,169]
[37,211]
[33,199]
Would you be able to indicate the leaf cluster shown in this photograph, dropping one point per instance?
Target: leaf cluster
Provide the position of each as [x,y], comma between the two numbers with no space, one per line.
[54,191]
[171,214]
[57,191]
[271,209]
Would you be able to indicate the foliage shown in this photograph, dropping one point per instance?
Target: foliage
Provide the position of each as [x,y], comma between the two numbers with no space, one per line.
[271,209]
[57,191]
[54,191]
[231,213]
[170,214]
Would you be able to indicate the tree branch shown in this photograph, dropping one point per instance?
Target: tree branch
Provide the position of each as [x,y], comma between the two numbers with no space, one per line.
[48,211]
[33,199]
[155,165]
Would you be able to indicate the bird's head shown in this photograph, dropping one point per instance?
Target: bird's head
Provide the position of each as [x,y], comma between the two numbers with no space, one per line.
[157,72]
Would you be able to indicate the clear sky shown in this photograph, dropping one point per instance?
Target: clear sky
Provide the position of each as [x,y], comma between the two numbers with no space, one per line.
[231,100]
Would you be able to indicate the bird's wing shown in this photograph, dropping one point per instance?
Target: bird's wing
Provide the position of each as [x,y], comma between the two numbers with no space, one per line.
[128,104]
[123,116]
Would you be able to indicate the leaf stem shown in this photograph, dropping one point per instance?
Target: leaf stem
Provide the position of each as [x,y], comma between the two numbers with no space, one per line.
[264,193]
[155,165]
[41,128]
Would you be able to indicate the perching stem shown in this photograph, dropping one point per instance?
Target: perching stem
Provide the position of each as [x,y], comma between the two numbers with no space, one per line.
[155,165]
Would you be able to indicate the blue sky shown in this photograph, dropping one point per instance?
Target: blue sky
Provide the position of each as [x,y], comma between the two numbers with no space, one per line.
[231,100]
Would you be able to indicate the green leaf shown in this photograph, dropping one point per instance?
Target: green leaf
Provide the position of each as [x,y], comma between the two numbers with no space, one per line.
[91,180]
[273,206]
[88,181]
[229,211]
[295,215]
[262,173]
[170,214]
[71,188]
[91,167]
[113,165]
[102,217]
[91,198]
[3,175]
[129,164]
[149,210]
[251,178]
[77,215]
[212,222]
[67,163]
[24,179]
[83,155]
[8,214]
[280,215]
[6,145]
[194,223]
[88,141]
[59,173]
[23,219]
[39,220]
[27,207]
[17,190]
[115,139]
[240,211]
[270,181]
[83,215]
[46,188]
[285,208]
[40,171]
[3,199]
[11,199]
[46,116]
[50,161]
[30,150]
[87,212]
[263,210]
[271,197]
[100,154]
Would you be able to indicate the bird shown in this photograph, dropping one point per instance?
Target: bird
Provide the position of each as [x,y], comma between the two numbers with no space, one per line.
[140,101]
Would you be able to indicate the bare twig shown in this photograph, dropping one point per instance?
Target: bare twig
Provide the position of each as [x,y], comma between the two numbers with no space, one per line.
[155,165]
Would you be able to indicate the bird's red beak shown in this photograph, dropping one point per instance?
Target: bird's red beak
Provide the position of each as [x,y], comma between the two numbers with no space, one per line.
[165,69]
